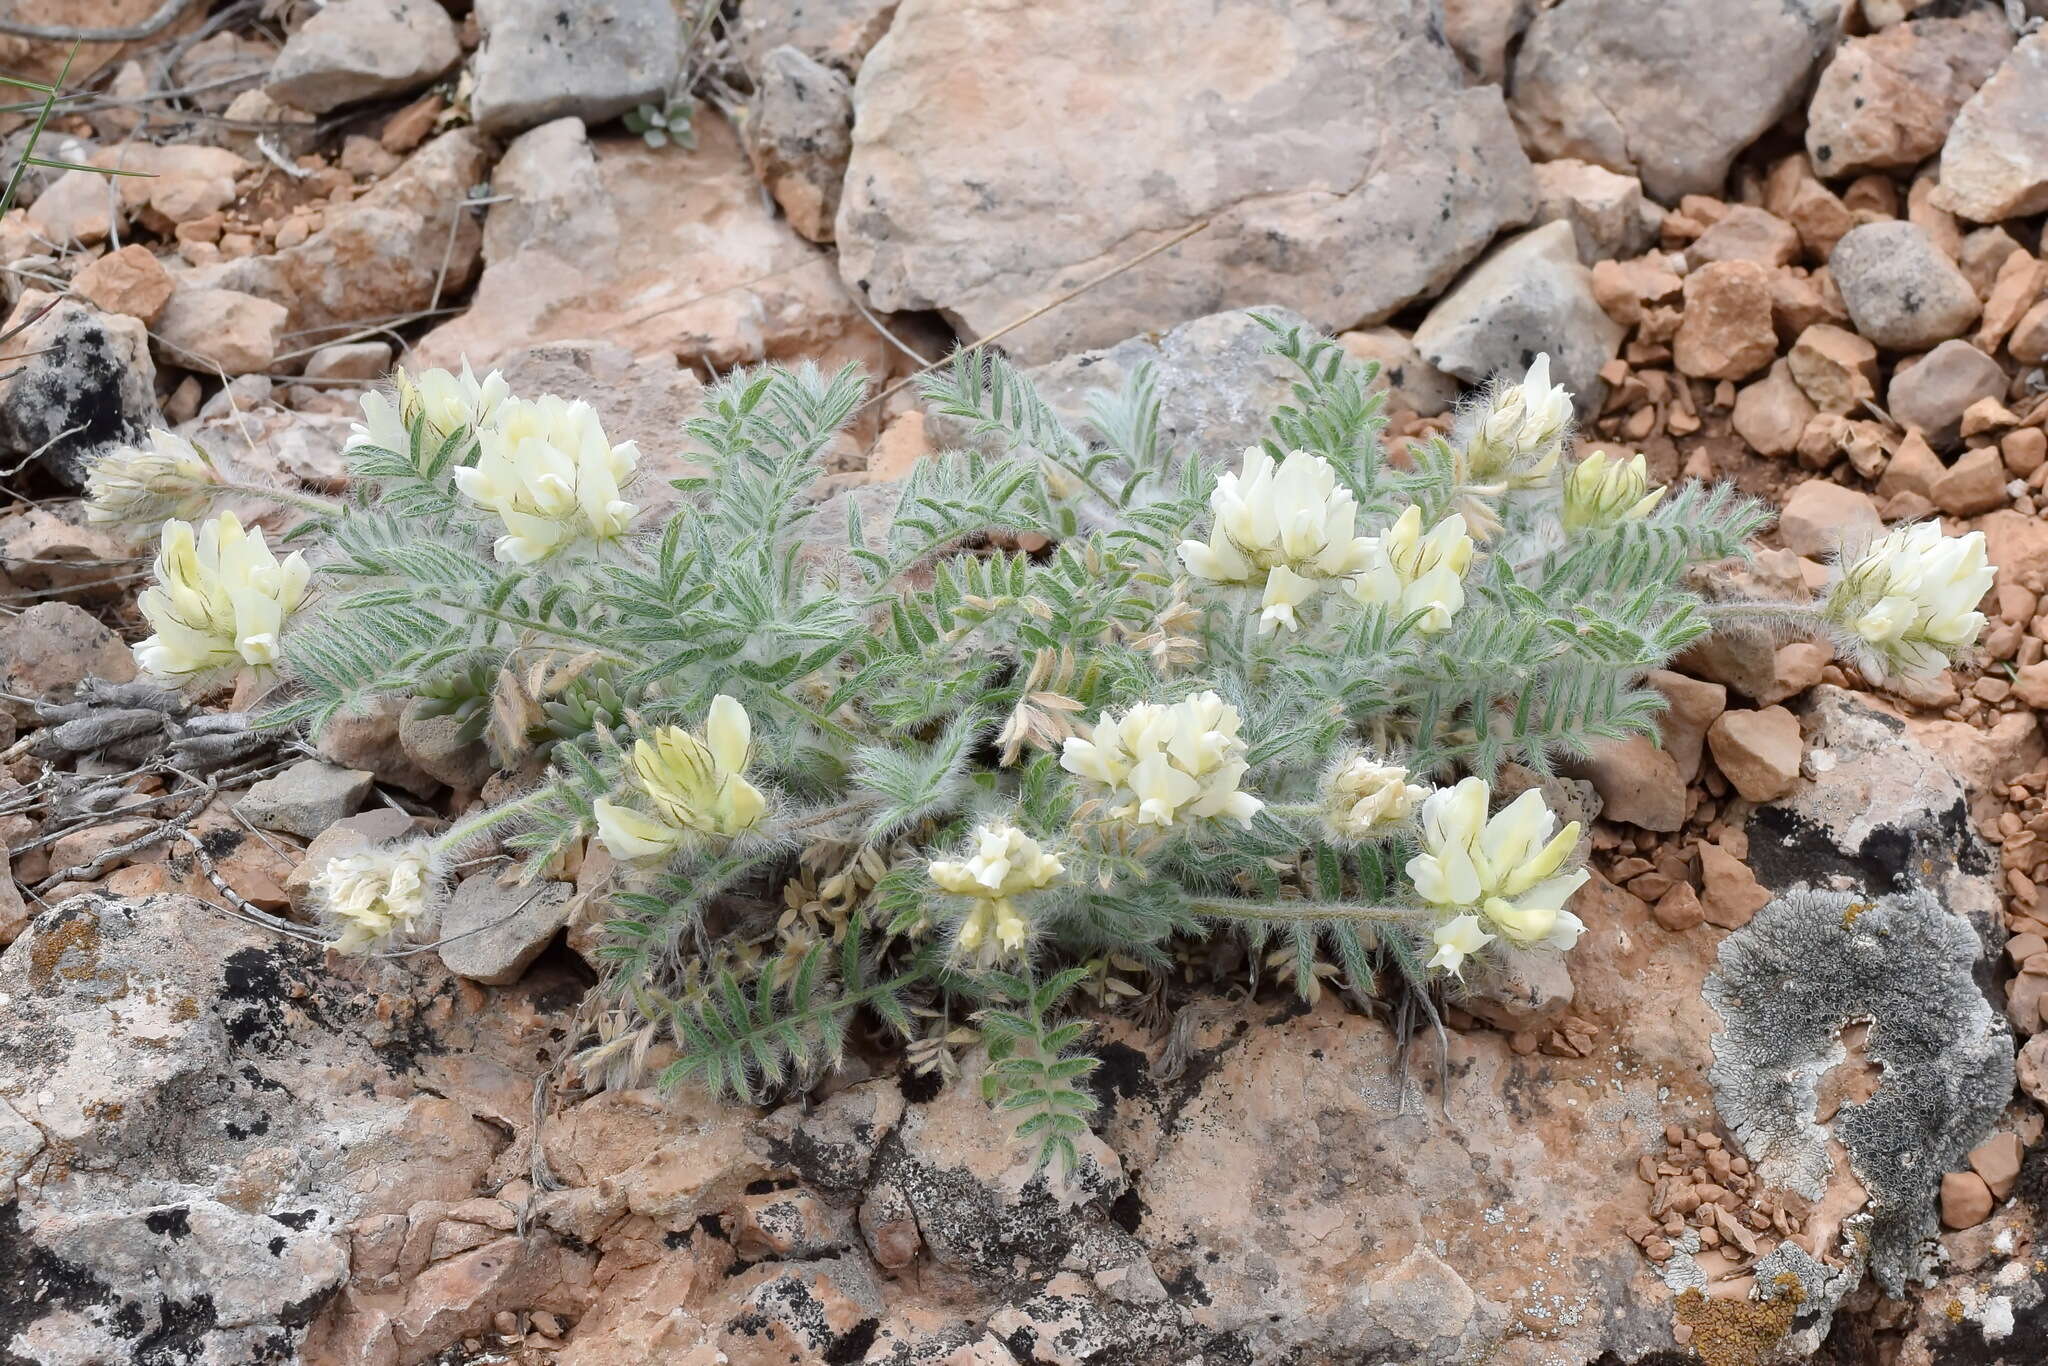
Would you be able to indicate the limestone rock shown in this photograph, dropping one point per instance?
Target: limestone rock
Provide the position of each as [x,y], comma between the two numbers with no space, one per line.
[1529,296]
[1726,332]
[224,329]
[130,281]
[1933,393]
[1836,368]
[51,648]
[1669,93]
[838,33]
[542,60]
[1975,483]
[1886,101]
[1747,233]
[1639,783]
[306,798]
[1610,219]
[1482,30]
[434,744]
[1278,139]
[1772,413]
[1901,291]
[381,254]
[1758,751]
[370,360]
[493,931]
[353,50]
[1821,514]
[83,383]
[590,247]
[1993,165]
[1692,705]
[799,134]
[79,207]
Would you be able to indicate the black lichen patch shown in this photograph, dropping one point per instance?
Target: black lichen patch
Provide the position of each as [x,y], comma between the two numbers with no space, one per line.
[35,1283]
[174,1222]
[919,1087]
[1787,983]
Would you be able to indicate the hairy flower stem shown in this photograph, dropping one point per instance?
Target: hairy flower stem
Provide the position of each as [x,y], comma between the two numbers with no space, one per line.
[1797,614]
[462,832]
[306,501]
[1319,911]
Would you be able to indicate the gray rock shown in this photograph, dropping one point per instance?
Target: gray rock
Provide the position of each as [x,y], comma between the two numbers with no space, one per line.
[1667,92]
[1610,218]
[306,798]
[1340,187]
[1932,393]
[799,134]
[369,740]
[1810,963]
[838,33]
[435,746]
[1995,162]
[1901,291]
[83,383]
[1216,377]
[491,932]
[595,60]
[1529,295]
[353,50]
[1886,100]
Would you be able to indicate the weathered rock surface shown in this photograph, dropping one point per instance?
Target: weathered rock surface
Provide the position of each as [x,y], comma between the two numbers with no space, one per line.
[1668,93]
[1901,291]
[1934,391]
[799,135]
[1886,101]
[1993,165]
[83,383]
[353,50]
[591,247]
[494,931]
[1341,188]
[1530,295]
[594,60]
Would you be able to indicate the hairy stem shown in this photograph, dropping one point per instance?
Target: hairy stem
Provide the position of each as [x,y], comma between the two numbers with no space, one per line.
[462,832]
[1290,911]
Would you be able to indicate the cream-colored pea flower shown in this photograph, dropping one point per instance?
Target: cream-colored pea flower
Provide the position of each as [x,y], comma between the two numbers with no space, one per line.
[1164,766]
[1602,491]
[1456,940]
[375,899]
[1006,866]
[1409,572]
[1504,869]
[549,473]
[1521,434]
[1365,799]
[220,599]
[1286,527]
[696,786]
[133,484]
[1908,604]
[446,403]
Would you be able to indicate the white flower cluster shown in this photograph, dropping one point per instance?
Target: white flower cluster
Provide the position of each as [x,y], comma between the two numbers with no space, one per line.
[696,787]
[220,599]
[1495,877]
[444,403]
[1006,865]
[375,899]
[550,474]
[1289,529]
[1365,799]
[1164,766]
[1908,604]
[1287,526]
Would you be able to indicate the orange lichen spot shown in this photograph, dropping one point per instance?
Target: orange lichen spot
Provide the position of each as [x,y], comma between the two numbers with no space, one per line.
[50,959]
[1854,909]
[1730,1332]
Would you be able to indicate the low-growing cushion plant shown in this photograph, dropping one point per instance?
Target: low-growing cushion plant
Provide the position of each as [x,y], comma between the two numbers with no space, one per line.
[1088,713]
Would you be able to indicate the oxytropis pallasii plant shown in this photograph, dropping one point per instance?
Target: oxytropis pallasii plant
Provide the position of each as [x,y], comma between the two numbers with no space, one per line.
[1088,713]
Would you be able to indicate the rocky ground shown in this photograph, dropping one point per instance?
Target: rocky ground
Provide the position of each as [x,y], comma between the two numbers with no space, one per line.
[1795,244]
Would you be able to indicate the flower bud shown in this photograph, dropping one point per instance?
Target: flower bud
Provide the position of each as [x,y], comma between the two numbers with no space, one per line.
[132,485]
[1602,491]
[1365,799]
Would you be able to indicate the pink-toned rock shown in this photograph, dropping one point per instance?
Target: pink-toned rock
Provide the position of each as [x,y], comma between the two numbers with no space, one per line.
[1771,413]
[1746,233]
[2024,450]
[1821,514]
[223,329]
[1729,892]
[1793,193]
[2033,1069]
[1624,288]
[1799,666]
[2013,291]
[1693,705]
[1726,332]
[1935,391]
[130,281]
[1758,751]
[1913,468]
[1998,1159]
[1993,166]
[1679,909]
[1638,783]
[1836,368]
[1886,100]
[1965,1200]
[1974,484]
[51,648]
[78,207]
[1610,218]
[2029,339]
[2030,684]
